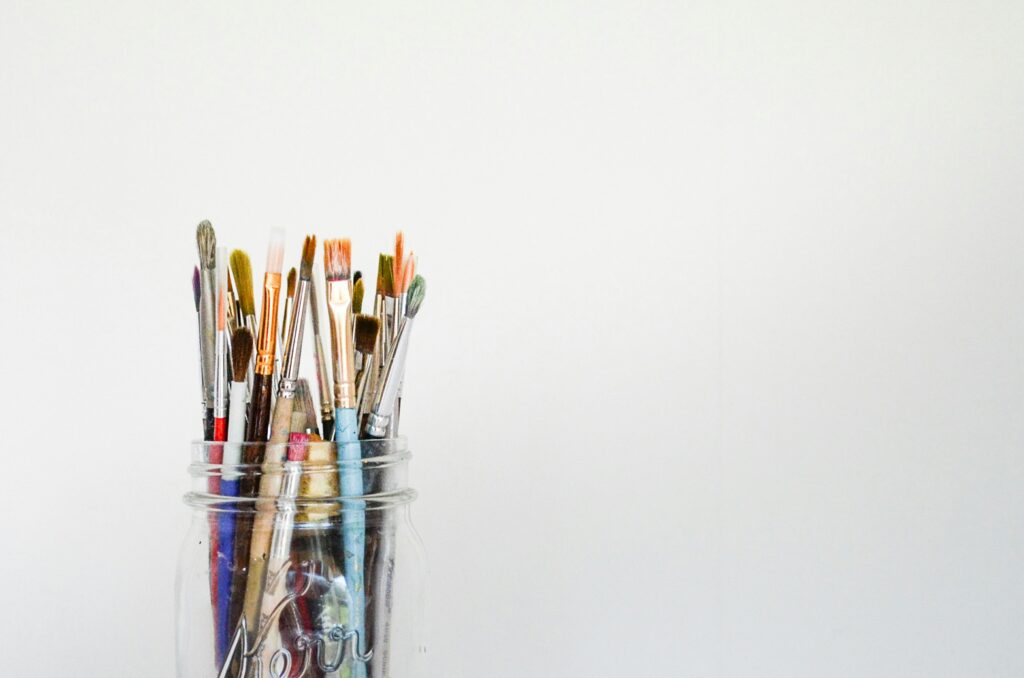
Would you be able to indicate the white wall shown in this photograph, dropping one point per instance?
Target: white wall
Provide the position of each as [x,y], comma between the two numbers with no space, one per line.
[720,369]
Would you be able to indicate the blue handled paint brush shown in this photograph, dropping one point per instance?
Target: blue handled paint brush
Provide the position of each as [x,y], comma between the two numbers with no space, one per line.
[337,269]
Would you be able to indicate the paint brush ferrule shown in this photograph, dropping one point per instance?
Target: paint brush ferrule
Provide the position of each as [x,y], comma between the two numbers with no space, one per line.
[267,337]
[339,306]
[220,382]
[208,329]
[387,393]
[293,346]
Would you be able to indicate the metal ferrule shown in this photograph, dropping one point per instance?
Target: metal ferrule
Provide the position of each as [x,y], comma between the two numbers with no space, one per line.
[399,318]
[339,310]
[293,346]
[387,393]
[266,340]
[323,381]
[208,328]
[362,374]
[387,325]
[220,382]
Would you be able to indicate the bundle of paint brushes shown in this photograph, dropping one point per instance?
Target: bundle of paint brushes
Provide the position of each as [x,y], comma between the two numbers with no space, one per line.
[253,393]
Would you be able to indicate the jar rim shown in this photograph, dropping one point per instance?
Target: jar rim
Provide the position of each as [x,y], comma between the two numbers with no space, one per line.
[381,464]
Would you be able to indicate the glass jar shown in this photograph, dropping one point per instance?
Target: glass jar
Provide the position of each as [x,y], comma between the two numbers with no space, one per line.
[284,575]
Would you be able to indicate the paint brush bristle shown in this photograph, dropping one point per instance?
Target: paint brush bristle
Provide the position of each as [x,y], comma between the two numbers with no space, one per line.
[388,277]
[356,277]
[397,266]
[291,283]
[275,252]
[413,300]
[381,265]
[357,296]
[241,269]
[206,240]
[197,287]
[408,273]
[308,252]
[367,327]
[241,352]
[337,259]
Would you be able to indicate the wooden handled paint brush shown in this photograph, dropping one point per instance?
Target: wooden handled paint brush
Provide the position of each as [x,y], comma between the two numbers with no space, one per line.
[266,344]
[206,243]
[262,567]
[323,379]
[394,365]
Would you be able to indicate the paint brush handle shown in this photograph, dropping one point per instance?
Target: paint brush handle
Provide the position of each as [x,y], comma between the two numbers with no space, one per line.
[353,522]
[266,508]
[259,408]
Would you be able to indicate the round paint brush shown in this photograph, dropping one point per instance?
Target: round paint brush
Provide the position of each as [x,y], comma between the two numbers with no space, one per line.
[323,379]
[266,344]
[206,243]
[394,366]
[220,376]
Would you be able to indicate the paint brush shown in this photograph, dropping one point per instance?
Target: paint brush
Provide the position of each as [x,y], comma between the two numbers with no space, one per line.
[241,270]
[282,345]
[367,328]
[403,278]
[357,296]
[220,428]
[206,243]
[323,379]
[220,376]
[196,294]
[337,267]
[231,584]
[266,343]
[265,566]
[304,398]
[394,365]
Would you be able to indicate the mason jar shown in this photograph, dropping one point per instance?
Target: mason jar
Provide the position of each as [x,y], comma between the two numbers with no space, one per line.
[283,574]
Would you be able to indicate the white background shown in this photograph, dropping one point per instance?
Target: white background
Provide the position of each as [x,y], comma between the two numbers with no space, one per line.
[719,371]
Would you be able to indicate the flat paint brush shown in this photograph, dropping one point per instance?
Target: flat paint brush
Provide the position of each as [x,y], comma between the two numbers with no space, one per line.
[266,344]
[358,291]
[206,243]
[232,573]
[241,270]
[323,379]
[387,307]
[262,568]
[394,365]
[367,328]
[337,269]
